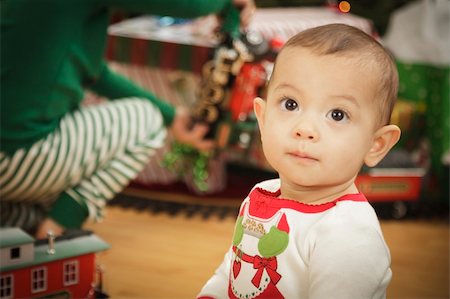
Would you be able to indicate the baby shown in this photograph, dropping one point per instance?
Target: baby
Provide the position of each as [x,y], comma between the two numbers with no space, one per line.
[311,233]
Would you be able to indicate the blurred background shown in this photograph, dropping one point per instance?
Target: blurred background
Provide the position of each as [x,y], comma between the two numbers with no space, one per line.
[170,228]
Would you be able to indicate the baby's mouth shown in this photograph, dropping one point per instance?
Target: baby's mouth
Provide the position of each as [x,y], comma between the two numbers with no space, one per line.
[302,156]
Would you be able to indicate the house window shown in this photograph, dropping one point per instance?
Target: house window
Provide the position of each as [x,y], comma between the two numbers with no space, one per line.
[6,286]
[70,273]
[15,253]
[38,280]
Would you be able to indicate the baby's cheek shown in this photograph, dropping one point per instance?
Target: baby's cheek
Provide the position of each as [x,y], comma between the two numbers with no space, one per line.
[348,163]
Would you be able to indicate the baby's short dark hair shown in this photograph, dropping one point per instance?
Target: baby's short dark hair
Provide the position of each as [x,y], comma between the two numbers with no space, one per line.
[341,39]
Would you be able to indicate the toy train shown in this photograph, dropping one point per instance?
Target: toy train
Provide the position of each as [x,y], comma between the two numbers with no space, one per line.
[61,267]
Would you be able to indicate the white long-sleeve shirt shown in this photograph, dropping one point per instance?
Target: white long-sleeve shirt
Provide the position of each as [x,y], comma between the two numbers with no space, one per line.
[286,249]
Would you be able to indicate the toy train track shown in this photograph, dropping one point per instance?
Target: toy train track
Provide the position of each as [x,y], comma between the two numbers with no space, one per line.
[176,204]
[190,206]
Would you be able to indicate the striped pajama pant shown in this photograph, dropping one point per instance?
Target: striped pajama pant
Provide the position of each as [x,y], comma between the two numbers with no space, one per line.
[92,156]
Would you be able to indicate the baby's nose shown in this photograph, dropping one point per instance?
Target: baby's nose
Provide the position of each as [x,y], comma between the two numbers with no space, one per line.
[307,135]
[306,130]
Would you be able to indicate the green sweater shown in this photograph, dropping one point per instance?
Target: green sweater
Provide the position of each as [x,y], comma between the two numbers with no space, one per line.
[51,50]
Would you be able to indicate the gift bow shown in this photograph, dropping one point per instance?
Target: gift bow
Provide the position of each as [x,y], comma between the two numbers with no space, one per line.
[270,264]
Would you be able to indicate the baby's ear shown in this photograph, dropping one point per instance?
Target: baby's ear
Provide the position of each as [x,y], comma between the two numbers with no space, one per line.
[259,106]
[384,139]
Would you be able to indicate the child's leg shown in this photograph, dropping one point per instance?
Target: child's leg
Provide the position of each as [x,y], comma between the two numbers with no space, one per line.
[92,156]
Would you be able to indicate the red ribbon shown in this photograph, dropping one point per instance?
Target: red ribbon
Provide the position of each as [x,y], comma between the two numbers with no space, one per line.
[270,265]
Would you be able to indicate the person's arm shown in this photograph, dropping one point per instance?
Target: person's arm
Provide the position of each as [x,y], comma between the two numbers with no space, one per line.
[65,213]
[114,86]
[349,262]
[175,8]
[186,8]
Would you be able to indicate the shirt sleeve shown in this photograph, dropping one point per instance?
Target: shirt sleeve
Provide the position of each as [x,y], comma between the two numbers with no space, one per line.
[67,212]
[349,262]
[174,8]
[217,286]
[114,86]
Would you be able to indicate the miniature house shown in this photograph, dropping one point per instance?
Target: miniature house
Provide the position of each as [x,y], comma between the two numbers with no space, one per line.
[60,268]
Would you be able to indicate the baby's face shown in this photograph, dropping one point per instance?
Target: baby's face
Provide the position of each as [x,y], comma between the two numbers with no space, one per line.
[318,120]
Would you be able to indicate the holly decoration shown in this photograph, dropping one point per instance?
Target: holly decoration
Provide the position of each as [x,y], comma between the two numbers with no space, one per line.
[183,159]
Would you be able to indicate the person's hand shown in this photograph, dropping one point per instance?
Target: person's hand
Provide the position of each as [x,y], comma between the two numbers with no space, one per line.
[48,225]
[195,136]
[247,9]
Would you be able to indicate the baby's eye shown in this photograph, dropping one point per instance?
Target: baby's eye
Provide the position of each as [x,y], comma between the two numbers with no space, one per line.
[289,104]
[338,115]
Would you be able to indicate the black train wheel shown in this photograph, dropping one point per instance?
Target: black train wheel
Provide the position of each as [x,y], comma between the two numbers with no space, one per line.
[399,210]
